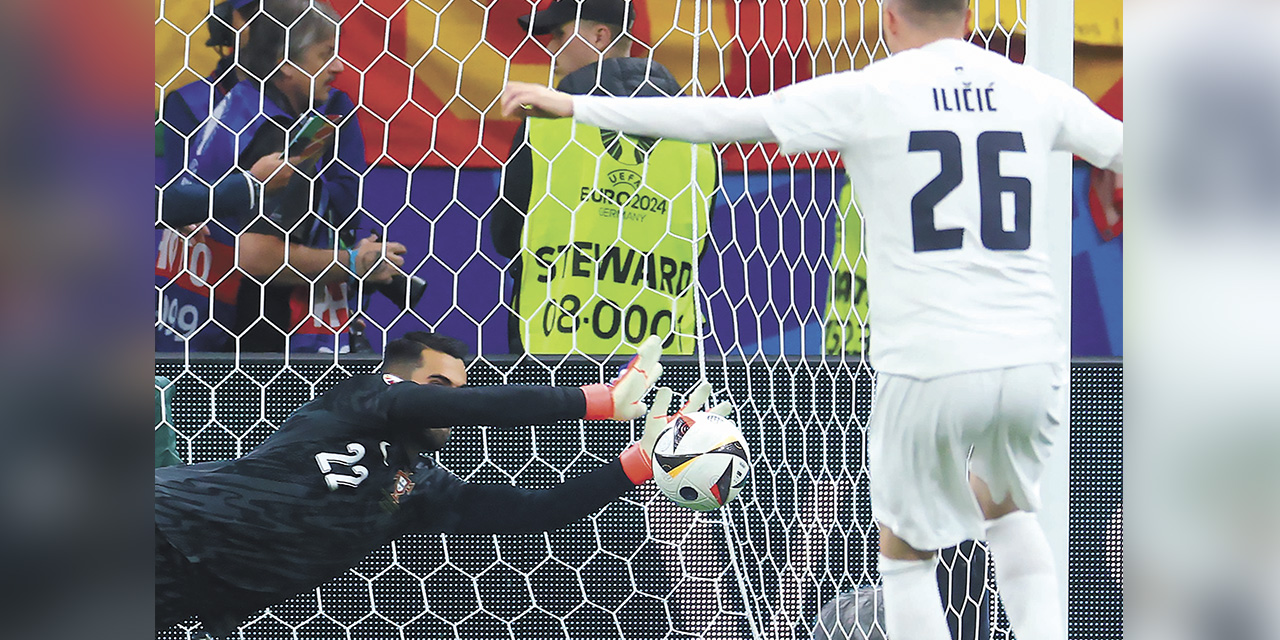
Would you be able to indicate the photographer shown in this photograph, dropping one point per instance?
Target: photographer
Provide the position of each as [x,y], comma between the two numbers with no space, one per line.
[298,252]
[187,108]
[186,249]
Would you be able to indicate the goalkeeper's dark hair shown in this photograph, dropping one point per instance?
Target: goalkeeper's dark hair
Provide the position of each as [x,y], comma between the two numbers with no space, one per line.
[405,353]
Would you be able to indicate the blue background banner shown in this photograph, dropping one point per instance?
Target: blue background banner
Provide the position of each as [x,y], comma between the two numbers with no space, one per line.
[764,274]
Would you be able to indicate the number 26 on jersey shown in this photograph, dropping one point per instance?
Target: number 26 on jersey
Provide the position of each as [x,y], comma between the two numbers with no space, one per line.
[991,189]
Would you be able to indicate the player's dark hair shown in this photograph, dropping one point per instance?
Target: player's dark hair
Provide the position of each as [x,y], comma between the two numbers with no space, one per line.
[935,9]
[938,6]
[405,352]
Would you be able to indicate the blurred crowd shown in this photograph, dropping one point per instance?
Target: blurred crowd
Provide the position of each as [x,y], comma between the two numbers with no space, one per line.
[265,245]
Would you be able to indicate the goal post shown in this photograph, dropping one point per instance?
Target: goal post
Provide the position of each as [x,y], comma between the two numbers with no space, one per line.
[1051,49]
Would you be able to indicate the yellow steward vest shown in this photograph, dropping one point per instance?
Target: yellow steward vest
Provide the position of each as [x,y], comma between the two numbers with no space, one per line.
[615,225]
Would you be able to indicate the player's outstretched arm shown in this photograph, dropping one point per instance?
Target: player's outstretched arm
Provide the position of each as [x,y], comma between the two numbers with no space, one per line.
[500,508]
[493,508]
[415,407]
[697,120]
[1090,132]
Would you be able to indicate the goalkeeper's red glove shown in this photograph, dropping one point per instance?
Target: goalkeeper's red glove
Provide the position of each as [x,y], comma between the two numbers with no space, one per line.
[620,398]
[637,460]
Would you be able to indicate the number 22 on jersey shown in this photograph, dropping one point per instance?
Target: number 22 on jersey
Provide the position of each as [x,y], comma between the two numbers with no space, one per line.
[991,189]
[334,479]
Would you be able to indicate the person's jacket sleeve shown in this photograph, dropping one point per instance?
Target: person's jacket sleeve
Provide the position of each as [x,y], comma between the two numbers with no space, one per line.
[506,218]
[341,176]
[180,127]
[421,406]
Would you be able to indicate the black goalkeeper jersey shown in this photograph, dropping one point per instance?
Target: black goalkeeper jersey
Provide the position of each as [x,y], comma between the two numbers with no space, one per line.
[335,483]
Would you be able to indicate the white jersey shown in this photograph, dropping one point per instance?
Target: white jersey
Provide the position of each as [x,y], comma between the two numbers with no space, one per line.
[947,147]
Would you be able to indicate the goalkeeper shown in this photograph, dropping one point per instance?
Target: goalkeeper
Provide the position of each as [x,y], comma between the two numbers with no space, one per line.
[344,475]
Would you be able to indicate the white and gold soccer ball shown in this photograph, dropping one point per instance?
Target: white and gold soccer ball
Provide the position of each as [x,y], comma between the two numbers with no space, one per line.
[701,461]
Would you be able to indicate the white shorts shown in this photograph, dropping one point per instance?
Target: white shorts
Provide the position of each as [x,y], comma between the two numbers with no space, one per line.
[921,434]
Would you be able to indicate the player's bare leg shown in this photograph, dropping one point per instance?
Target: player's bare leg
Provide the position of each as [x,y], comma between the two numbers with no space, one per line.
[912,604]
[1024,567]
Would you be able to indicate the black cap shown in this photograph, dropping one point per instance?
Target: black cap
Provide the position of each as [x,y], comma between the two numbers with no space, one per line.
[619,12]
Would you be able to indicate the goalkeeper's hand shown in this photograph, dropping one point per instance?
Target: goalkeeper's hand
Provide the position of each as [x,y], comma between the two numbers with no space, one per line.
[620,398]
[637,459]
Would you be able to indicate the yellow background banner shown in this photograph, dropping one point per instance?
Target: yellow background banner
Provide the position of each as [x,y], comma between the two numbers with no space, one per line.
[420,68]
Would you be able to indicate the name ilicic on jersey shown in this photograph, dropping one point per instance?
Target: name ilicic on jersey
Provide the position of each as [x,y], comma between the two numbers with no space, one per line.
[967,98]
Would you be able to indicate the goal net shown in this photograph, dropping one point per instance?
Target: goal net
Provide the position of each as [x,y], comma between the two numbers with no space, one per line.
[776,321]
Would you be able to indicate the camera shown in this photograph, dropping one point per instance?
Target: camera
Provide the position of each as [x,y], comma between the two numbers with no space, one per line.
[403,291]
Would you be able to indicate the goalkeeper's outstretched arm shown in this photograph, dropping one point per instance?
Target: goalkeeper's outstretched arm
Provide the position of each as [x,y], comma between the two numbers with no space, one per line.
[460,507]
[498,508]
[412,406]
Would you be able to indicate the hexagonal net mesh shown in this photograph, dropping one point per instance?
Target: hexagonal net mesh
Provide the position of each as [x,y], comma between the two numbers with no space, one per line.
[769,303]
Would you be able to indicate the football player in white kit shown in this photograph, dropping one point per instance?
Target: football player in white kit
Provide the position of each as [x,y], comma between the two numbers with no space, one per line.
[947,146]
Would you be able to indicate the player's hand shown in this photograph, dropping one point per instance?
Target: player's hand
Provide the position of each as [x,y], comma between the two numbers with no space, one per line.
[637,460]
[697,401]
[621,398]
[371,263]
[658,420]
[521,99]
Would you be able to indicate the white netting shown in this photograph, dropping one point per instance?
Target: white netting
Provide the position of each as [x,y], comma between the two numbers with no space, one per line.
[780,295]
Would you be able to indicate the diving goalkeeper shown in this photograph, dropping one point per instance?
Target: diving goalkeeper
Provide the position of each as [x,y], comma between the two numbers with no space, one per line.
[344,475]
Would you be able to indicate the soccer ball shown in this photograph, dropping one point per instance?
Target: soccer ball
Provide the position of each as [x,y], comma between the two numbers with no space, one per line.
[701,461]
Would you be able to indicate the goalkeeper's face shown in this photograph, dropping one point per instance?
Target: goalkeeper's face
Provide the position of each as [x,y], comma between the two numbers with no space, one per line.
[439,369]
[444,370]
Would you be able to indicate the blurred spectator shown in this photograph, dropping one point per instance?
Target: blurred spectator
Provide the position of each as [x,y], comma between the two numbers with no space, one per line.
[846,330]
[187,256]
[194,259]
[300,252]
[188,107]
[603,229]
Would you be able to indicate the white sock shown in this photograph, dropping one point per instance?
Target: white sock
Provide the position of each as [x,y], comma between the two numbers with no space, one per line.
[1025,576]
[912,604]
